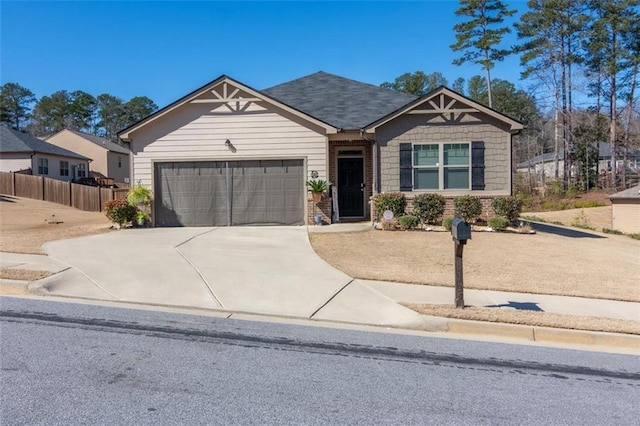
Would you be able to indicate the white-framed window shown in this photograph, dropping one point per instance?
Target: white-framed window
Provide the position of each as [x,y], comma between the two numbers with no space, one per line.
[82,170]
[43,166]
[440,166]
[64,168]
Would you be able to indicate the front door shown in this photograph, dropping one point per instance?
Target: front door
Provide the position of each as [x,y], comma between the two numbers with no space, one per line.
[351,187]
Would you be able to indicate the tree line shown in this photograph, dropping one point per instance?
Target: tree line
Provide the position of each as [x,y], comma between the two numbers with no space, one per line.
[568,49]
[103,115]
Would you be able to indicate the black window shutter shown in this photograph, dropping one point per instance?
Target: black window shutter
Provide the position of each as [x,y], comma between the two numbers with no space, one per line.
[406,169]
[477,165]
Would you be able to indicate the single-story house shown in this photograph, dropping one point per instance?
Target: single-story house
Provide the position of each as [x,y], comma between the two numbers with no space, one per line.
[20,152]
[227,154]
[545,163]
[109,159]
[625,210]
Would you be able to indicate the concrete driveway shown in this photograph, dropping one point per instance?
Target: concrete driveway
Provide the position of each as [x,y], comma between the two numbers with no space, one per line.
[263,270]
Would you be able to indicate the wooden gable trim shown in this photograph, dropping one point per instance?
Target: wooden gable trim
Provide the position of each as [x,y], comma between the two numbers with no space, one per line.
[225,97]
[436,103]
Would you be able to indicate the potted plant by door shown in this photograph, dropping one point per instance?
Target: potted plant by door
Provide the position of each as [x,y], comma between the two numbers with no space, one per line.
[141,217]
[317,187]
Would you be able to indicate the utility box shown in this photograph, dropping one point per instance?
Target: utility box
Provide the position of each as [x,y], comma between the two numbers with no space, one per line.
[460,230]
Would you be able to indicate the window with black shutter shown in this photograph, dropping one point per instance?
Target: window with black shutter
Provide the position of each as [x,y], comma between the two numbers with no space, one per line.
[477,165]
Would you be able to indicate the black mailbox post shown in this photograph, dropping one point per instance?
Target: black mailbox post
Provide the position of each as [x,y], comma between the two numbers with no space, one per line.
[461,232]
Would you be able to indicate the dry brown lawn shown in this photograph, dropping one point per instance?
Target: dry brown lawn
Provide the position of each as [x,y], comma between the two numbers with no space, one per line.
[605,267]
[595,217]
[26,224]
[542,263]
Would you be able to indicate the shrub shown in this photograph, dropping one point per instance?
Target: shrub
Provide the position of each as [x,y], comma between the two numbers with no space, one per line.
[120,212]
[467,207]
[408,221]
[429,208]
[508,207]
[612,231]
[582,221]
[446,222]
[394,201]
[498,223]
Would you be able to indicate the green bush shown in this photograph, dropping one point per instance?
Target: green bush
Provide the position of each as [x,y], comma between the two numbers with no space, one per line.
[429,208]
[508,207]
[408,221]
[446,222]
[120,211]
[394,201]
[498,223]
[581,204]
[467,207]
[612,231]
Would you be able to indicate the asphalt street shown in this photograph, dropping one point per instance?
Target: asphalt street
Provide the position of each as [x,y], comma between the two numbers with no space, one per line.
[66,363]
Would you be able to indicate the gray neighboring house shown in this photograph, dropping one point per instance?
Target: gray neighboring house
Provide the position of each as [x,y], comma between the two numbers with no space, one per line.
[546,162]
[20,152]
[109,159]
[227,154]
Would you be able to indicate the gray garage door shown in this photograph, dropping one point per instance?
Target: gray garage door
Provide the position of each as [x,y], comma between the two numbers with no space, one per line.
[223,193]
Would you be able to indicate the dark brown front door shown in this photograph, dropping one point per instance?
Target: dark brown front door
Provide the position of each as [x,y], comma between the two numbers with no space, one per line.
[351,187]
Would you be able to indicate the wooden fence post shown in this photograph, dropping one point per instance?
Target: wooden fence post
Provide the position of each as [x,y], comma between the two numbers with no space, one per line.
[42,177]
[13,184]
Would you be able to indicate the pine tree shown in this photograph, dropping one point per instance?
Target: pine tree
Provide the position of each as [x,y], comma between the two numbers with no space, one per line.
[479,38]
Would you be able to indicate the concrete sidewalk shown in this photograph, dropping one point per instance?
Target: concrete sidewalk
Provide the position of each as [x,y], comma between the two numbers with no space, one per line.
[270,271]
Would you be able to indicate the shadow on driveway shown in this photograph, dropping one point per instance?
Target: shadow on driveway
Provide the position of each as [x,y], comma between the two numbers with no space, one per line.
[563,232]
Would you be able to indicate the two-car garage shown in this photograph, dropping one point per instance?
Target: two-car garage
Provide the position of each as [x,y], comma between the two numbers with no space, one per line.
[226,193]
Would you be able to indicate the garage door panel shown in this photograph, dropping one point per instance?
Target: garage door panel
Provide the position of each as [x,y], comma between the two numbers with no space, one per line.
[249,192]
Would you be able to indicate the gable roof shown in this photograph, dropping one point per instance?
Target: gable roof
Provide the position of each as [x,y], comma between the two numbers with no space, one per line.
[344,103]
[124,133]
[102,142]
[632,193]
[18,142]
[515,125]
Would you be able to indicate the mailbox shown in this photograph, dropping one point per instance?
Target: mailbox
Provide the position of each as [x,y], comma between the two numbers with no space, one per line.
[460,230]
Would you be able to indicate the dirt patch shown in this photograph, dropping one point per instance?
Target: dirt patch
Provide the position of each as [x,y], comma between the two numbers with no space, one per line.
[597,267]
[23,274]
[595,217]
[538,319]
[26,224]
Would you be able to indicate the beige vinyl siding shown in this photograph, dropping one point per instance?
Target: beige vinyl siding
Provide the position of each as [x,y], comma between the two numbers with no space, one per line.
[79,145]
[13,162]
[119,174]
[626,216]
[54,166]
[194,132]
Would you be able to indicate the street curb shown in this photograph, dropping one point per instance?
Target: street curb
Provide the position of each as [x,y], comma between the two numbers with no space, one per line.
[545,334]
[428,324]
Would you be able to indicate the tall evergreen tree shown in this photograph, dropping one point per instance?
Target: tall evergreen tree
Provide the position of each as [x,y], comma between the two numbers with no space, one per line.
[612,56]
[479,38]
[550,33]
[417,83]
[15,104]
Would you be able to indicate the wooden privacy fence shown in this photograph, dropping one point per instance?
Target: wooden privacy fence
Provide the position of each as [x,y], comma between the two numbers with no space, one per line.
[83,197]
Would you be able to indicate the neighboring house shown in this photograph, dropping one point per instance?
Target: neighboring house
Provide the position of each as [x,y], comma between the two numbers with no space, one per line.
[546,162]
[21,152]
[228,154]
[109,159]
[625,210]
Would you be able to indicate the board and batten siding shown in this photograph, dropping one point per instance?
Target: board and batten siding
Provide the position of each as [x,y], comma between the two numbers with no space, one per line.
[195,133]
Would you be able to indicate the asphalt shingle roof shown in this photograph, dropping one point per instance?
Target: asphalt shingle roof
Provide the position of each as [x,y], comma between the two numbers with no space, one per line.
[339,101]
[628,194]
[111,146]
[15,141]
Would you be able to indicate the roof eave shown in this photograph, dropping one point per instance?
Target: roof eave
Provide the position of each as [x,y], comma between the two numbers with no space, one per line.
[124,134]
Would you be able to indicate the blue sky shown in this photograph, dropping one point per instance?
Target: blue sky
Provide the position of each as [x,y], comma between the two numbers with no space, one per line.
[164,50]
